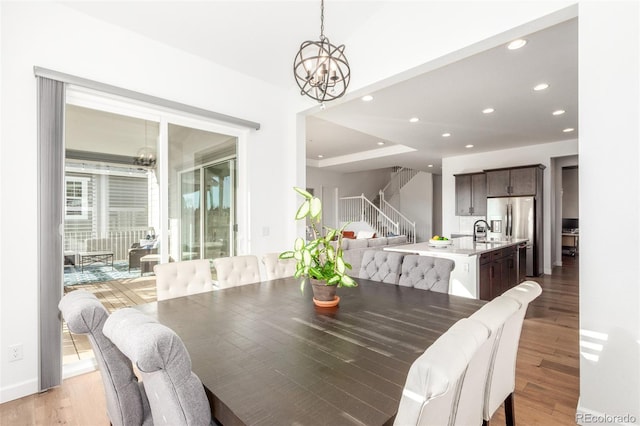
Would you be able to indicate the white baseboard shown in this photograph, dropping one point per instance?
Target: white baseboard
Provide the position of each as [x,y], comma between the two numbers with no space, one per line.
[585,416]
[79,367]
[18,390]
[30,387]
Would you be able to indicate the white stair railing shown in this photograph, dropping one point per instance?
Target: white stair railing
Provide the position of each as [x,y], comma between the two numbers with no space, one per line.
[399,178]
[405,226]
[360,209]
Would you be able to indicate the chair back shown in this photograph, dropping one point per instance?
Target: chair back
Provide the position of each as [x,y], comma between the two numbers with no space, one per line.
[126,400]
[176,394]
[494,315]
[278,268]
[177,279]
[382,266]
[426,272]
[431,394]
[237,270]
[502,378]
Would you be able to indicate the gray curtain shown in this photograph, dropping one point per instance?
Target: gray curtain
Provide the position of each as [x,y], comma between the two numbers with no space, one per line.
[51,105]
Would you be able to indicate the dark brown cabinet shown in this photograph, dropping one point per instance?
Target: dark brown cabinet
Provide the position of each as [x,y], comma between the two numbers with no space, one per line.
[498,272]
[514,181]
[471,194]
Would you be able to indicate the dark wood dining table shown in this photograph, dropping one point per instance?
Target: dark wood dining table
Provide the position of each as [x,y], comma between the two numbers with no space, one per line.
[267,356]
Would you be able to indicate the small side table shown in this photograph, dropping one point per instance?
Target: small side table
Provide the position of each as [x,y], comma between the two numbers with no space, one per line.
[147,263]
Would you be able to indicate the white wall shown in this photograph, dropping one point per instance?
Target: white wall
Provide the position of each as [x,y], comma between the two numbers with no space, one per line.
[535,154]
[416,203]
[57,37]
[609,66]
[350,184]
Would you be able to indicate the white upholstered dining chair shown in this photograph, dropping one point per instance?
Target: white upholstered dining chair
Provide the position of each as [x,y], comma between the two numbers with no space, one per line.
[436,380]
[177,279]
[176,395]
[127,403]
[494,315]
[502,370]
[278,268]
[236,270]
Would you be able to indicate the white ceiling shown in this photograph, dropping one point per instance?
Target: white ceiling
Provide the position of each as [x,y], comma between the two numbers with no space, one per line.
[448,99]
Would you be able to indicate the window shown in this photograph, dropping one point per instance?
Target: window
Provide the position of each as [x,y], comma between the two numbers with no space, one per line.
[76,200]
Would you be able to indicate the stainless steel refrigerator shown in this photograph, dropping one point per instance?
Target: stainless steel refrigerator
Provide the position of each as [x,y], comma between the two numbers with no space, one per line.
[515,218]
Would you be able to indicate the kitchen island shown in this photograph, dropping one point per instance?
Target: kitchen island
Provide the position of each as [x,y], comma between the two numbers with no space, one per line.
[482,270]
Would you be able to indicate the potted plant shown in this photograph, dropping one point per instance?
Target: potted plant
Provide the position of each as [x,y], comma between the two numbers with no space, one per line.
[317,259]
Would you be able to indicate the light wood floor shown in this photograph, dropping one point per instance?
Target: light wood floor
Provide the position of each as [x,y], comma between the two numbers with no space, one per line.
[547,373]
[113,295]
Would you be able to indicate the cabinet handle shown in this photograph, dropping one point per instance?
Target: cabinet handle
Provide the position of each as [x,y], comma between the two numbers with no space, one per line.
[491,271]
[471,210]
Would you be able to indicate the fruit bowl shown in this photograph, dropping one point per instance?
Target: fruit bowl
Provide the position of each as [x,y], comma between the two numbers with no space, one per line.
[440,243]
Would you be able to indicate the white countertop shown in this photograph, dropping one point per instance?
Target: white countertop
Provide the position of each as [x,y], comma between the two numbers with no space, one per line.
[464,246]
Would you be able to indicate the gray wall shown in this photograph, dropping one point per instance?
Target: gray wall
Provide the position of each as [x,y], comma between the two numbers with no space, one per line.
[570,197]
[437,204]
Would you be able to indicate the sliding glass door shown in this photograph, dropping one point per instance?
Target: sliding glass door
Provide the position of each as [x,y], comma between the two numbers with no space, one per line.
[202,196]
[208,211]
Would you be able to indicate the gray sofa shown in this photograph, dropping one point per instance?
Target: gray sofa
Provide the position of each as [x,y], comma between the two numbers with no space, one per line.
[354,249]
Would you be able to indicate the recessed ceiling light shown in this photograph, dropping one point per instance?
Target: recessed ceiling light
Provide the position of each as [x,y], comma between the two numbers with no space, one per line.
[558,112]
[468,146]
[488,110]
[516,44]
[320,156]
[568,130]
[446,135]
[414,120]
[367,98]
[429,165]
[541,86]
[380,143]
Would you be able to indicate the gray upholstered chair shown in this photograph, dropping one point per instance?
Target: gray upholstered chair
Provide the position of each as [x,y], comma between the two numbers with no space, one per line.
[501,381]
[236,270]
[426,272]
[382,266]
[126,399]
[176,394]
[278,268]
[177,279]
[437,379]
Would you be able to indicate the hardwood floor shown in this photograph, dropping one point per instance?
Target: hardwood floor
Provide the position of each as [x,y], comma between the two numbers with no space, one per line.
[548,366]
[547,372]
[113,295]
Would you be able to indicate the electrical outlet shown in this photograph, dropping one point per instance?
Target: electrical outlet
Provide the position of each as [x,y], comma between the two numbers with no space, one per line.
[15,352]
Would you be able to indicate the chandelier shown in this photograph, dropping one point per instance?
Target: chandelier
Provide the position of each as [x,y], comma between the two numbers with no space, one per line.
[320,68]
[146,156]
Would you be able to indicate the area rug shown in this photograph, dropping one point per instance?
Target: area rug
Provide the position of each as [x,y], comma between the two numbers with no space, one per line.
[96,273]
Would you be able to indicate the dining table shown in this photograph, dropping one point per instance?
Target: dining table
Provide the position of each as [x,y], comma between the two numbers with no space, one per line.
[267,355]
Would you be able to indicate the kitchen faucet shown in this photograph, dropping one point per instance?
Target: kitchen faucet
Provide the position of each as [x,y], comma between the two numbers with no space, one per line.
[474,227]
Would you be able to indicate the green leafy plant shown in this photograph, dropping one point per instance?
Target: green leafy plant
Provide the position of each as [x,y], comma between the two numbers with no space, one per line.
[318,258]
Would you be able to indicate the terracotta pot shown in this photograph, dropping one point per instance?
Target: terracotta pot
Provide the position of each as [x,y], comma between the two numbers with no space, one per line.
[324,295]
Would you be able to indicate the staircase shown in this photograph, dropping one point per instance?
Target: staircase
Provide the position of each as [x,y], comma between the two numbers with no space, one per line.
[379,214]
[360,209]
